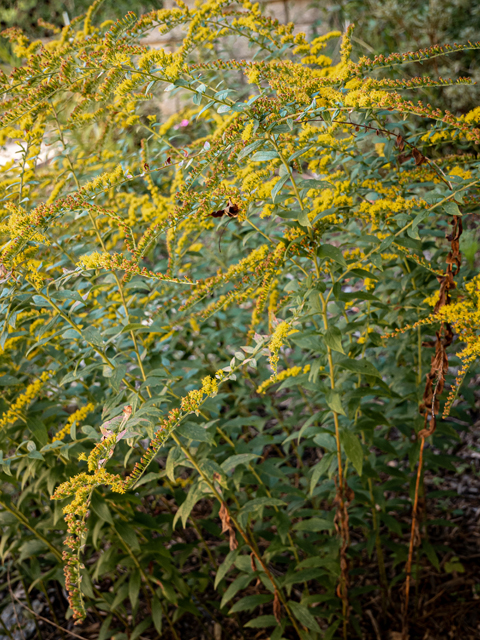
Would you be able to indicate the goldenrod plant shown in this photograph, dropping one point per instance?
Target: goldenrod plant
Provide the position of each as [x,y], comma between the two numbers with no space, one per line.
[226,332]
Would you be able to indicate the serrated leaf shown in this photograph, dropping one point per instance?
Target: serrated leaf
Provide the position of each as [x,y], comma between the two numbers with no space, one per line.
[263,156]
[328,251]
[314,524]
[452,209]
[237,585]
[225,566]
[248,603]
[93,336]
[386,243]
[128,535]
[100,508]
[332,398]
[173,455]
[35,455]
[303,219]
[134,587]
[333,339]
[362,366]
[38,430]
[278,186]
[6,380]
[258,503]
[194,495]
[157,615]
[195,432]
[303,615]
[241,458]
[249,149]
[319,470]
[117,376]
[353,449]
[262,622]
[66,295]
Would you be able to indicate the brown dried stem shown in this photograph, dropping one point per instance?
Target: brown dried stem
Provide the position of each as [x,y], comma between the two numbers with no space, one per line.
[430,402]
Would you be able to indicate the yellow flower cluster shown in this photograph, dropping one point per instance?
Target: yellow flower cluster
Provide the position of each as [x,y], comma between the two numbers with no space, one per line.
[192,401]
[77,417]
[105,180]
[15,410]
[282,330]
[283,375]
[94,260]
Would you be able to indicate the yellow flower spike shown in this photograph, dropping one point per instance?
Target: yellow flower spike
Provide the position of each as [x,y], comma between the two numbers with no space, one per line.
[77,416]
[16,409]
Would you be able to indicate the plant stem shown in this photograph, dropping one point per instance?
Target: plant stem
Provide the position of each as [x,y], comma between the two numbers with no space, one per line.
[408,569]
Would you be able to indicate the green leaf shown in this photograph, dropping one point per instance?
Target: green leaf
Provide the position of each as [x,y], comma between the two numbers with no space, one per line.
[278,186]
[314,524]
[452,209]
[353,449]
[362,366]
[66,295]
[31,549]
[262,622]
[333,339]
[454,565]
[157,615]
[330,632]
[223,108]
[258,503]
[263,156]
[117,376]
[363,273]
[134,587]
[100,508]
[6,381]
[174,454]
[248,603]
[140,628]
[128,535]
[93,336]
[225,566]
[419,218]
[105,629]
[328,251]
[35,455]
[194,495]
[332,398]
[303,615]
[73,375]
[430,553]
[195,432]
[303,218]
[305,425]
[386,243]
[241,458]
[38,430]
[237,585]
[326,441]
[249,149]
[319,470]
